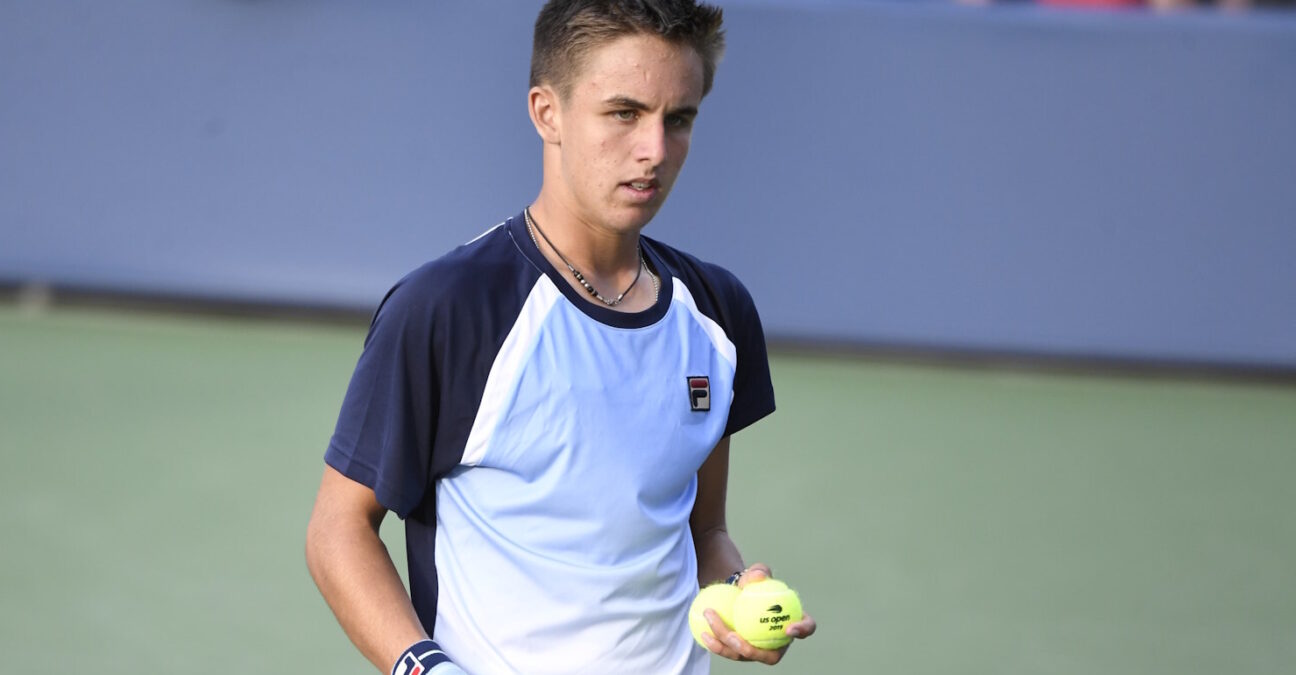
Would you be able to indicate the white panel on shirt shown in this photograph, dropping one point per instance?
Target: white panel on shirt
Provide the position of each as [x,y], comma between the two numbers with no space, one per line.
[562,540]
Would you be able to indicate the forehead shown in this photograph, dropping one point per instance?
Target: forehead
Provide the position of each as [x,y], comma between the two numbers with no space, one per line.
[643,67]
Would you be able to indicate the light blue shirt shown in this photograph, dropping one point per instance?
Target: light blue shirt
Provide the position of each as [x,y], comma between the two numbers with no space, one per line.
[545,452]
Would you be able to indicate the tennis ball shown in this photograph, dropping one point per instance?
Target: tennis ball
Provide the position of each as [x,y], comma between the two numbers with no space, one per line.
[719,597]
[763,610]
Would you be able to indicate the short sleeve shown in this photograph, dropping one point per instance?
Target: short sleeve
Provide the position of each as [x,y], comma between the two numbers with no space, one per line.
[753,387]
[385,430]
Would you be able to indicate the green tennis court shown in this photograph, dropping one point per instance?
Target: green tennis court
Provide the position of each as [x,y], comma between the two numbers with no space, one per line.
[156,473]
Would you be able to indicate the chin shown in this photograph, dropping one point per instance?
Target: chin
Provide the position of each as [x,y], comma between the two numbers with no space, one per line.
[634,217]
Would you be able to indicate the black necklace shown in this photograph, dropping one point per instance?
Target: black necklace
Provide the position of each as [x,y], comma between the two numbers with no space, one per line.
[533,227]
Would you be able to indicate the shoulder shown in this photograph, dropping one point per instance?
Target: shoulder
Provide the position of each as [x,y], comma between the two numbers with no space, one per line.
[715,289]
[484,272]
[484,259]
[716,293]
[467,273]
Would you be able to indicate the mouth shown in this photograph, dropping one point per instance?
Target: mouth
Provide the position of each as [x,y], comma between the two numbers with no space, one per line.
[643,188]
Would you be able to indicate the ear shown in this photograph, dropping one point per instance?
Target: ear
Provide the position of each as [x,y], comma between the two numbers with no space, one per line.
[544,107]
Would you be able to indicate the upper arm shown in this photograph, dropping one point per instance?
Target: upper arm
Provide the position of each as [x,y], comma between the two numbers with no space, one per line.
[344,502]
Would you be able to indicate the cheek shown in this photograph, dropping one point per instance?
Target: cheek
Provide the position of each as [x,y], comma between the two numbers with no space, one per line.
[587,159]
[679,148]
[603,161]
[604,150]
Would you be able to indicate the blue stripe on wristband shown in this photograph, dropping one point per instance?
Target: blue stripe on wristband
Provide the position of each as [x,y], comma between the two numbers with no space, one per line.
[420,659]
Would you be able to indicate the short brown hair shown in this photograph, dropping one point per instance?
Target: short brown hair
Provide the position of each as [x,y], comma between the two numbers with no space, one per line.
[566,31]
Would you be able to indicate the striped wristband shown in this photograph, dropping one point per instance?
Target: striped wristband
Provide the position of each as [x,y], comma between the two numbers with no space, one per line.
[425,658]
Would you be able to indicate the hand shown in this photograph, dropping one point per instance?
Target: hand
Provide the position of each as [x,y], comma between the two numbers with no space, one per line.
[726,642]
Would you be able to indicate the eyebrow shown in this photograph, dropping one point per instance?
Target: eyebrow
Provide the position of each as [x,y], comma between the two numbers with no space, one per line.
[627,102]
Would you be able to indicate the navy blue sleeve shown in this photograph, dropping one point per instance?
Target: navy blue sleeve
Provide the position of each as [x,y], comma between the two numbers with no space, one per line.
[753,387]
[385,431]
[720,295]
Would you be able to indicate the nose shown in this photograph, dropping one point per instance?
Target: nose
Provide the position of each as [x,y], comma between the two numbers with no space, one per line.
[650,144]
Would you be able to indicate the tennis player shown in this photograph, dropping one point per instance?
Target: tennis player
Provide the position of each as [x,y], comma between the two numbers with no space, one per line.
[549,407]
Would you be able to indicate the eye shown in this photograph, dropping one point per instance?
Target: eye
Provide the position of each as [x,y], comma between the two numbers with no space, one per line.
[679,121]
[625,115]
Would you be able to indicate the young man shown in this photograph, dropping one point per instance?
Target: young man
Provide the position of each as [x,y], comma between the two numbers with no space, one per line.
[549,406]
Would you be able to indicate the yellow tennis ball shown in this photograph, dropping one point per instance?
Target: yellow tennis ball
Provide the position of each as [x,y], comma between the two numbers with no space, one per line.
[763,610]
[719,597]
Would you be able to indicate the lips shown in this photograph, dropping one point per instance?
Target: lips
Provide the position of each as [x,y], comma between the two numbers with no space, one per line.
[642,189]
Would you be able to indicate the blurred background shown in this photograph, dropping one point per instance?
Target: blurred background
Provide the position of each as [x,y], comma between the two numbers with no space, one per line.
[1025,269]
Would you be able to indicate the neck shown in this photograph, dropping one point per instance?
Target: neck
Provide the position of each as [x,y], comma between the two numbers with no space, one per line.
[614,282]
[592,247]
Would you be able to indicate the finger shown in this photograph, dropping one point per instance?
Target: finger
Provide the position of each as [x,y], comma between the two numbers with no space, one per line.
[719,648]
[803,628]
[712,644]
[719,629]
[746,652]
[715,640]
[716,622]
[724,640]
[756,572]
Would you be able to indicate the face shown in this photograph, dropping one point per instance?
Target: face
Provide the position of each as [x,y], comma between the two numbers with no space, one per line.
[623,131]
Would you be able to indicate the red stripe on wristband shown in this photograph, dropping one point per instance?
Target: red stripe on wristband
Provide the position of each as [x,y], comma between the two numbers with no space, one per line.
[421,657]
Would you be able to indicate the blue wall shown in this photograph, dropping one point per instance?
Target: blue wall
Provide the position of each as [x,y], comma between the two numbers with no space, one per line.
[1101,184]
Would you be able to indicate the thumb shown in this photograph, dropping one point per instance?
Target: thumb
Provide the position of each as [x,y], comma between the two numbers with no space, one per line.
[756,572]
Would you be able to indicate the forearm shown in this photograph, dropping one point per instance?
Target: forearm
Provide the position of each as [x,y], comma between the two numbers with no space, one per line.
[717,555]
[356,576]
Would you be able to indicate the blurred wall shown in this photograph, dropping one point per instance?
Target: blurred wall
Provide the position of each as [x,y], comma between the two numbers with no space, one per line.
[1007,179]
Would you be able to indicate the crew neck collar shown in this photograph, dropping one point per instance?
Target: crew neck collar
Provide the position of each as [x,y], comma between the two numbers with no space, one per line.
[606,315]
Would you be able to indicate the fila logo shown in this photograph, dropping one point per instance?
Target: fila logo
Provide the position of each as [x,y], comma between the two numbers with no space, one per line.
[420,664]
[408,665]
[699,393]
